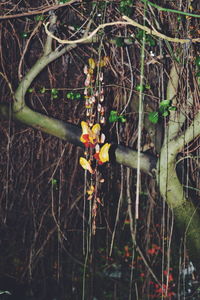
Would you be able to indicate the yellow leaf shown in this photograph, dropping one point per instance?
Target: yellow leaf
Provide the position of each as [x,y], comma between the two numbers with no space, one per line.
[103,154]
[91,63]
[85,165]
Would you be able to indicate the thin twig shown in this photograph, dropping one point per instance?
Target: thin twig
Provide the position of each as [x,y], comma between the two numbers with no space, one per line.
[37,12]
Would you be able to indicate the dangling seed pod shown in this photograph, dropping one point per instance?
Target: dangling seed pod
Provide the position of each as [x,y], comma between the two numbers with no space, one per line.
[102,111]
[101,98]
[93,99]
[85,69]
[87,112]
[101,76]
[99,107]
[102,120]
[91,123]
[90,100]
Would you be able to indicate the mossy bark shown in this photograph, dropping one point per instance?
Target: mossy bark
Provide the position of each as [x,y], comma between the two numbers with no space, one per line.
[187,217]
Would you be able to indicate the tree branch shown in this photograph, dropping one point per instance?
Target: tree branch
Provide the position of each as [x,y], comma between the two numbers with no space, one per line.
[71,134]
[128,22]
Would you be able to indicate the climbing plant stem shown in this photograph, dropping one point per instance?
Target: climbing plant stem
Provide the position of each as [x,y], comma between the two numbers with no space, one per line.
[140,120]
[171,10]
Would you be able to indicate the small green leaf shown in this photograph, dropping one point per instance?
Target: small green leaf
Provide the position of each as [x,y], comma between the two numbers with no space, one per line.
[173,108]
[147,86]
[77,96]
[113,119]
[43,90]
[140,88]
[197,61]
[113,113]
[129,2]
[70,95]
[179,18]
[153,117]
[122,4]
[54,181]
[113,116]
[54,91]
[165,113]
[24,35]
[55,96]
[165,103]
[30,90]
[122,119]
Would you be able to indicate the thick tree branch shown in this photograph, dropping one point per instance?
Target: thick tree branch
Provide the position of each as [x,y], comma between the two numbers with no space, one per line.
[40,64]
[71,133]
[186,215]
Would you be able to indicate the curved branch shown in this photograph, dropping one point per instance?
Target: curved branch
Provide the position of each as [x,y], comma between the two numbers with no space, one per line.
[40,64]
[186,215]
[71,133]
[127,22]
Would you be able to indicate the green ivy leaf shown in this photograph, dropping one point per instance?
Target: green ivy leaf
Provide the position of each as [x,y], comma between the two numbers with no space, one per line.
[43,90]
[165,103]
[140,88]
[153,117]
[54,91]
[113,116]
[173,108]
[122,119]
[68,95]
[54,183]
[113,119]
[113,113]
[77,96]
[165,113]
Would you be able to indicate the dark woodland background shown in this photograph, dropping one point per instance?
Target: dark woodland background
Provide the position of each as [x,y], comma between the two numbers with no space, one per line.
[41,181]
